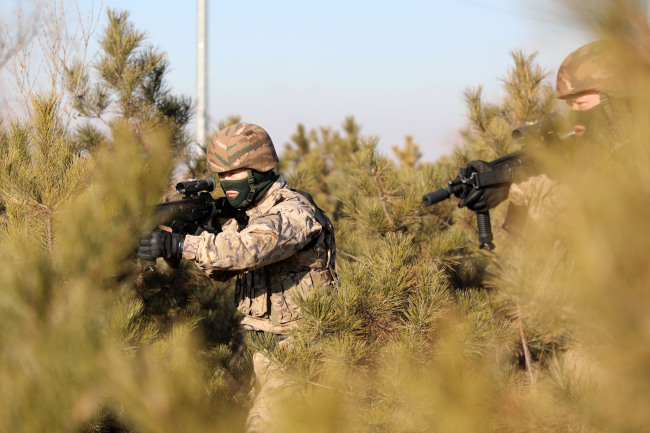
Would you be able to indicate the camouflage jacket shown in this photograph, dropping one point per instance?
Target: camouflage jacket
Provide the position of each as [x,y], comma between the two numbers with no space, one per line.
[286,249]
[546,200]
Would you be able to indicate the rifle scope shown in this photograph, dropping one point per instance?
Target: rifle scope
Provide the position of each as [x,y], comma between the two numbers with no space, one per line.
[190,187]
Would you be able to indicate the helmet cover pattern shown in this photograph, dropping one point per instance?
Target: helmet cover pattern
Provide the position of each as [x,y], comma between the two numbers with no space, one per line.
[243,145]
[590,68]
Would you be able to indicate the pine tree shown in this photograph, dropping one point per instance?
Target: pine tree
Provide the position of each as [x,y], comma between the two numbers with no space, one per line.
[410,154]
[40,171]
[46,174]
[130,82]
[315,159]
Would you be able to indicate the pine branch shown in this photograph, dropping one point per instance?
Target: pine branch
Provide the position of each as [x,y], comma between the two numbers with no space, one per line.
[344,254]
[382,201]
[524,344]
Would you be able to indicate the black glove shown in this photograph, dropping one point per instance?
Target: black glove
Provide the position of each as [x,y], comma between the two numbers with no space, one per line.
[161,243]
[484,198]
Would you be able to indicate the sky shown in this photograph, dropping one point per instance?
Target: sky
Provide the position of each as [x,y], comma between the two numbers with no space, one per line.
[399,67]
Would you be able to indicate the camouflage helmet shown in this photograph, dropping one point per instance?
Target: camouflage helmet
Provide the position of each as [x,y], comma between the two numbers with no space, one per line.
[243,145]
[589,68]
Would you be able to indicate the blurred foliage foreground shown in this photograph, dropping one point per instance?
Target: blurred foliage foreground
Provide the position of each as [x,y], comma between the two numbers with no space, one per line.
[424,332]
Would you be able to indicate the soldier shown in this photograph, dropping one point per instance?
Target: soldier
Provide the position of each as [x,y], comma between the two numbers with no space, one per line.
[286,249]
[585,81]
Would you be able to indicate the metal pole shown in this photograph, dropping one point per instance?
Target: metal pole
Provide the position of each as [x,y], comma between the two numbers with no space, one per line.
[202,73]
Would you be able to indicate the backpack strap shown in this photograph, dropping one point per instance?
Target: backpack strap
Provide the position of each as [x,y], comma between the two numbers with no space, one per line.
[326,224]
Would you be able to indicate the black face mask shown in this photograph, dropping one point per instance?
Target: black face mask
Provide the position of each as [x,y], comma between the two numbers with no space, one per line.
[249,190]
[599,128]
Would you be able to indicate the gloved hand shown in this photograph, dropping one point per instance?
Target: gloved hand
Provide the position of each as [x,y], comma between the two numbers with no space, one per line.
[484,198]
[161,243]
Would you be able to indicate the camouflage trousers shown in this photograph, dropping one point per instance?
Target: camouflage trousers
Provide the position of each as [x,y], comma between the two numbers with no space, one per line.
[269,387]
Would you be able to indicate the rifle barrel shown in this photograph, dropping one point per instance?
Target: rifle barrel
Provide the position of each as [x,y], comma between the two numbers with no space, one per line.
[436,196]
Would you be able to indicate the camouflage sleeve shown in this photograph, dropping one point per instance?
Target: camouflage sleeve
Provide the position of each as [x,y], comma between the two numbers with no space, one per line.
[219,275]
[544,197]
[268,238]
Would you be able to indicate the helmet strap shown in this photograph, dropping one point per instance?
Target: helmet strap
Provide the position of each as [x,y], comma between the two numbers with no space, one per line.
[251,191]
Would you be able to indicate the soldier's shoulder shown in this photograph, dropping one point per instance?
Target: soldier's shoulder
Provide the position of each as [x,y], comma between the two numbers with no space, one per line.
[282,198]
[296,198]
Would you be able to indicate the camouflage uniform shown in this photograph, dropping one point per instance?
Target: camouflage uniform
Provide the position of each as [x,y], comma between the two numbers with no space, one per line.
[545,200]
[285,251]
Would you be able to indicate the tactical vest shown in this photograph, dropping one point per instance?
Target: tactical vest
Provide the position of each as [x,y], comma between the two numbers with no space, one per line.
[268,296]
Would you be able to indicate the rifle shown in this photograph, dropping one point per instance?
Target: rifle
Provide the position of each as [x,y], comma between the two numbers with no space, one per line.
[511,168]
[196,211]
